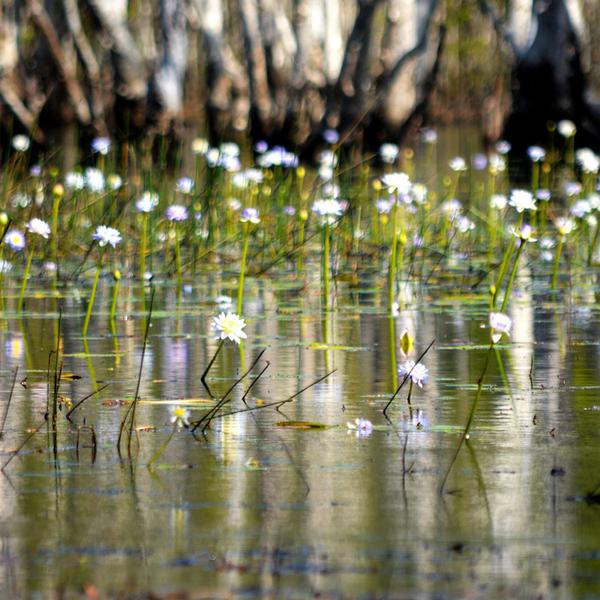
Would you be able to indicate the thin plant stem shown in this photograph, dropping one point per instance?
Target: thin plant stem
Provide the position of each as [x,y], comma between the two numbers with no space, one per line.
[113,304]
[80,402]
[392,351]
[88,314]
[213,411]
[513,274]
[559,248]
[161,448]
[276,404]
[467,428]
[25,278]
[406,377]
[54,243]
[210,364]
[143,246]
[326,266]
[178,259]
[393,259]
[10,395]
[132,408]
[503,269]
[240,296]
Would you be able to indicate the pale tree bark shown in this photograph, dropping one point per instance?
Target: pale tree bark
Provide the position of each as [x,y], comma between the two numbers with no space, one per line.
[261,105]
[132,79]
[10,94]
[226,79]
[167,88]
[407,23]
[284,69]
[90,63]
[61,49]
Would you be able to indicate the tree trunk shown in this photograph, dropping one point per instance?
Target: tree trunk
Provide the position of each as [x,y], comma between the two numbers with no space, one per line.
[549,82]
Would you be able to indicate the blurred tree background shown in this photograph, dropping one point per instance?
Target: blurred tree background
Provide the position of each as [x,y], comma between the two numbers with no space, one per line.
[287,70]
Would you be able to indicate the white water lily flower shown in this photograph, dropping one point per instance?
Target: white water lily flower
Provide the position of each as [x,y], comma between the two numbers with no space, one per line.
[229,326]
[588,160]
[566,128]
[500,325]
[180,416]
[383,206]
[496,163]
[502,147]
[429,136]
[330,190]
[329,209]
[39,227]
[452,208]
[419,373]
[200,146]
[176,213]
[522,200]
[229,149]
[114,181]
[331,136]
[21,143]
[419,193]
[101,145]
[362,427]
[327,158]
[250,215]
[15,240]
[94,180]
[325,173]
[564,225]
[572,188]
[185,185]
[536,153]
[243,179]
[74,180]
[525,234]
[543,194]
[498,201]
[457,164]
[147,202]
[107,235]
[388,153]
[581,208]
[464,224]
[397,183]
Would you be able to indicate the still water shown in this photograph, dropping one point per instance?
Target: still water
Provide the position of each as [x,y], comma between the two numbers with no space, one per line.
[258,509]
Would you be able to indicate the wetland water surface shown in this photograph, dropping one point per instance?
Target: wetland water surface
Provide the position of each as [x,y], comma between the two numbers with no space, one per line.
[259,509]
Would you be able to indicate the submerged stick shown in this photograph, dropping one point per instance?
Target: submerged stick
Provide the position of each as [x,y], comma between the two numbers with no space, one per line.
[76,406]
[90,429]
[254,381]
[277,404]
[213,411]
[15,452]
[10,395]
[210,364]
